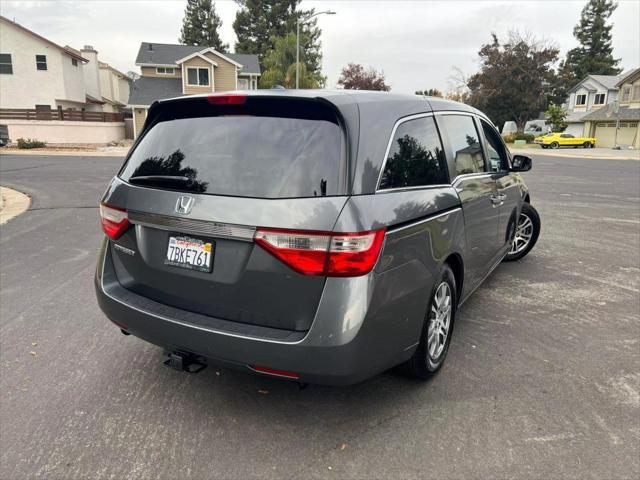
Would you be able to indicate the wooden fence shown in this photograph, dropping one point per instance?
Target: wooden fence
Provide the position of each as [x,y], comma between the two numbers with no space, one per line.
[59,114]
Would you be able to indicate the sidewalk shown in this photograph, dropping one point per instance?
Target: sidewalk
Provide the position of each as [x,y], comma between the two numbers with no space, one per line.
[99,152]
[12,204]
[591,153]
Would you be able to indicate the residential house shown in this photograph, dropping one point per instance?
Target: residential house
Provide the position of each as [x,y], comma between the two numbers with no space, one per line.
[37,73]
[595,98]
[619,124]
[45,88]
[169,70]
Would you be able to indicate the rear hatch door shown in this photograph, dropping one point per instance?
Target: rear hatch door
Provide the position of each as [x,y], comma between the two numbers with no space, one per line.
[202,178]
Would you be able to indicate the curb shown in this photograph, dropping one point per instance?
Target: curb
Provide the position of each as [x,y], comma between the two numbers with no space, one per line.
[12,204]
[554,153]
[63,153]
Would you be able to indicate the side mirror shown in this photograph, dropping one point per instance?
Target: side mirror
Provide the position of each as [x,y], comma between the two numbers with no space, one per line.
[520,163]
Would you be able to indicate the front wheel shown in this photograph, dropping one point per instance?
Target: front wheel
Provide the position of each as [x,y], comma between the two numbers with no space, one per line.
[526,234]
[554,145]
[436,332]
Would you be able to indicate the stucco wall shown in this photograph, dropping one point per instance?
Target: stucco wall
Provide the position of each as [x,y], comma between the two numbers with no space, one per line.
[65,132]
[91,74]
[27,86]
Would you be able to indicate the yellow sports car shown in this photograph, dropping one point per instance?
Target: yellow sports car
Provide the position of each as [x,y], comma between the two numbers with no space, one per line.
[556,140]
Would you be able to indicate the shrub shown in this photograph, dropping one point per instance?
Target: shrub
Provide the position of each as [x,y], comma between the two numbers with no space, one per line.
[30,143]
[512,137]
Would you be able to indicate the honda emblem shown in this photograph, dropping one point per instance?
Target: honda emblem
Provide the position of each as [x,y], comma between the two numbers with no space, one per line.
[184,204]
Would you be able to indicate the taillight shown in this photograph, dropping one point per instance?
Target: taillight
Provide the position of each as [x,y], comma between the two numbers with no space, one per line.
[323,253]
[114,221]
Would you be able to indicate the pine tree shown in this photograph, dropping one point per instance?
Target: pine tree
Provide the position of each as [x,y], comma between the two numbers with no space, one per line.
[259,22]
[200,25]
[594,55]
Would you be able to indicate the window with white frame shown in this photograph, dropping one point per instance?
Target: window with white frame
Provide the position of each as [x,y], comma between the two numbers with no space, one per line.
[626,93]
[636,93]
[243,84]
[599,99]
[198,77]
[581,100]
[165,70]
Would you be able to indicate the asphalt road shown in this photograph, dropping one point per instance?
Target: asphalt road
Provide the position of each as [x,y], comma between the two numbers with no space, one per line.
[542,379]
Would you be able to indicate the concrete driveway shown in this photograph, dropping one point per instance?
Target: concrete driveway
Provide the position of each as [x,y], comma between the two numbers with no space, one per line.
[542,379]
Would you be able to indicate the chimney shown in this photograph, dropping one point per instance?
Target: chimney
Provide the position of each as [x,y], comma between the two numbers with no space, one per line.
[151,47]
[88,49]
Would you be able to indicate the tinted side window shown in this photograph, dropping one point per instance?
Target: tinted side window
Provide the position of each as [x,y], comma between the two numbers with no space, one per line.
[415,157]
[495,148]
[464,143]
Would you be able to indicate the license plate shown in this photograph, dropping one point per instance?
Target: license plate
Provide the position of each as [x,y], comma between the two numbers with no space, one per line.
[190,253]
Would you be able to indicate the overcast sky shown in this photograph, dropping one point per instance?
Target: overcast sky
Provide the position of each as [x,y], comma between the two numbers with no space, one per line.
[416,43]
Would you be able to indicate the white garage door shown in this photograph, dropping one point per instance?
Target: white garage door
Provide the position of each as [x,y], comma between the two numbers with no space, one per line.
[575,129]
[605,134]
[628,133]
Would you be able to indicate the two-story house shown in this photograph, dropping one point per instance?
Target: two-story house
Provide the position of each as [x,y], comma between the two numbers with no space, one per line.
[168,70]
[619,123]
[592,107]
[36,73]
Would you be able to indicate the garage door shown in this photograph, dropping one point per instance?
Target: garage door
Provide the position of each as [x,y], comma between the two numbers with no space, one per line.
[627,135]
[575,129]
[606,134]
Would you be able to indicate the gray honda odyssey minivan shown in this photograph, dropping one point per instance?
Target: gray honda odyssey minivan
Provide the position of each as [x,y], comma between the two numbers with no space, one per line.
[319,236]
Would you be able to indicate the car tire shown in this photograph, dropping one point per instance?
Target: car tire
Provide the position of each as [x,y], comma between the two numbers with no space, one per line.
[429,356]
[587,145]
[526,233]
[554,145]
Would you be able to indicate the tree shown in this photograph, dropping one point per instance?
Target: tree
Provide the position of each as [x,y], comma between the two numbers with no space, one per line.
[431,92]
[259,22]
[200,25]
[355,77]
[280,66]
[594,54]
[458,96]
[556,116]
[514,78]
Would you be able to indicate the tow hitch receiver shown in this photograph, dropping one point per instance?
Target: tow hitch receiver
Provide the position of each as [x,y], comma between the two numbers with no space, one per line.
[184,363]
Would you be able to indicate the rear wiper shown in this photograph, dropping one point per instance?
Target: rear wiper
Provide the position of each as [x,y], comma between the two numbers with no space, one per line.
[155,179]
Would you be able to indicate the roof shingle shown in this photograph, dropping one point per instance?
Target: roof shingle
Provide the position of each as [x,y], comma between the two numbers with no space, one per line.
[167,54]
[146,90]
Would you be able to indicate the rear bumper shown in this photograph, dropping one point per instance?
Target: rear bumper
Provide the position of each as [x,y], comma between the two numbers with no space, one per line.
[347,342]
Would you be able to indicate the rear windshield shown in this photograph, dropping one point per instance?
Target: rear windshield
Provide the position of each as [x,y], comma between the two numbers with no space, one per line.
[240,155]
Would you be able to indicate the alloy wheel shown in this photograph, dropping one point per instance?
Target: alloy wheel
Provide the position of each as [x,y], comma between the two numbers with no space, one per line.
[523,235]
[439,321]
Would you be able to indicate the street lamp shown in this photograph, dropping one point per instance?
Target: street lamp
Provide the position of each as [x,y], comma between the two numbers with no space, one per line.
[298,22]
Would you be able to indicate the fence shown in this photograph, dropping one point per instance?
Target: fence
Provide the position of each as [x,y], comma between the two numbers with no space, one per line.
[59,114]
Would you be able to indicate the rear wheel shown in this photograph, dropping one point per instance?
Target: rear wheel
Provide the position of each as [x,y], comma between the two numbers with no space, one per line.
[554,145]
[587,145]
[436,332]
[526,234]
